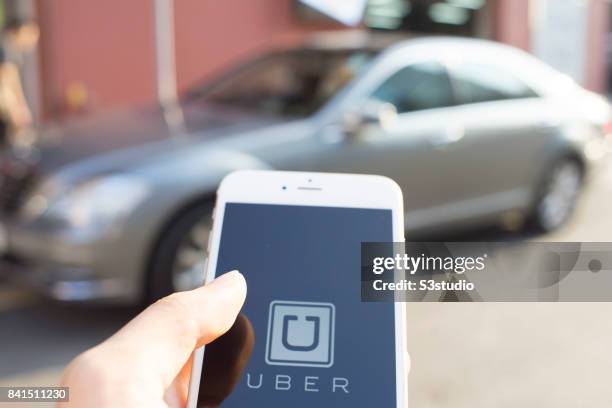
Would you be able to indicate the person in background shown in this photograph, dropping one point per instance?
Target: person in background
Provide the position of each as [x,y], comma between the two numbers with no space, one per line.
[19,38]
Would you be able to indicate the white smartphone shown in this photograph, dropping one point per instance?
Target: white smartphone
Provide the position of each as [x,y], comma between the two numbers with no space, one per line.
[304,337]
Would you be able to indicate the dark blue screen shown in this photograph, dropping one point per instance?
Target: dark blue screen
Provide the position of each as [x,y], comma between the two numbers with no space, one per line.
[315,343]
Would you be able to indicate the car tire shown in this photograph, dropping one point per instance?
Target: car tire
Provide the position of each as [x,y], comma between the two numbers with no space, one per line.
[178,259]
[557,195]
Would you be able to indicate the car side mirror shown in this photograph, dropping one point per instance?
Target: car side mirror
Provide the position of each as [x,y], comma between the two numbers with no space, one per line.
[372,113]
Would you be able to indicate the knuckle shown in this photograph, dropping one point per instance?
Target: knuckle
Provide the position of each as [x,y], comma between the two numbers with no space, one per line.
[206,321]
[179,309]
[174,303]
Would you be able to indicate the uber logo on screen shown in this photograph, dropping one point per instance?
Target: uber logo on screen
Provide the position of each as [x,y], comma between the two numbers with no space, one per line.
[300,334]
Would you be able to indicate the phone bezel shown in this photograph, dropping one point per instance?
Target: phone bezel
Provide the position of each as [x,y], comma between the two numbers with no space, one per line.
[310,189]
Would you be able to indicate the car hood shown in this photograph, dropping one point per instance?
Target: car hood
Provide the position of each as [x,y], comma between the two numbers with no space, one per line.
[129,137]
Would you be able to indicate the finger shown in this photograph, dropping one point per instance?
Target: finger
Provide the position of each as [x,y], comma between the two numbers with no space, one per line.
[162,338]
[180,386]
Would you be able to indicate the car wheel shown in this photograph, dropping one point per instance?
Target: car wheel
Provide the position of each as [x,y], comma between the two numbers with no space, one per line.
[558,195]
[179,257]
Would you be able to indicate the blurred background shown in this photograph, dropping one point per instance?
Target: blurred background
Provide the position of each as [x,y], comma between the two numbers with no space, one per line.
[100,56]
[111,74]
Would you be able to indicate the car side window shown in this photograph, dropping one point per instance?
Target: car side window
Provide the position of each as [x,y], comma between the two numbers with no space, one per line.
[476,83]
[417,87]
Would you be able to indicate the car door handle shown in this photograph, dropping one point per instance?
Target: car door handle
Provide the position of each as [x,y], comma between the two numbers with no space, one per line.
[452,134]
[547,126]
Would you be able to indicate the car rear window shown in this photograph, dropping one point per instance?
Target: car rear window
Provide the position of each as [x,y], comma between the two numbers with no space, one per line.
[290,83]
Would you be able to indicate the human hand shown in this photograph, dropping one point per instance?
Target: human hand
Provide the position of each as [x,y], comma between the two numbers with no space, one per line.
[148,362]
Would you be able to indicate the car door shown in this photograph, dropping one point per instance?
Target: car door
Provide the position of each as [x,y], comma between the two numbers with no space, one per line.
[504,132]
[407,149]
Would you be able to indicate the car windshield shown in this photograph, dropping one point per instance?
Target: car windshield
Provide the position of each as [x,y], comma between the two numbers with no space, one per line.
[289,83]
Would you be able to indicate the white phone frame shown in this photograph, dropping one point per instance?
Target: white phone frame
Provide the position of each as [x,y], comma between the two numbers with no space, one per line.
[310,189]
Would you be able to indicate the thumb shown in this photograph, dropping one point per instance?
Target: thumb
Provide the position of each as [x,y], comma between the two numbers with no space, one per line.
[167,332]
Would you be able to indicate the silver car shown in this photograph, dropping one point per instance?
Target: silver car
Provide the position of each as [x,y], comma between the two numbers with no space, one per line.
[117,207]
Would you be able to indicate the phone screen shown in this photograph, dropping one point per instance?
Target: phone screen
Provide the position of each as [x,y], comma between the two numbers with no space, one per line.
[304,338]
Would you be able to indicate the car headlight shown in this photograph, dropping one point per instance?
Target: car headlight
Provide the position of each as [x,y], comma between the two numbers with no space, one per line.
[98,202]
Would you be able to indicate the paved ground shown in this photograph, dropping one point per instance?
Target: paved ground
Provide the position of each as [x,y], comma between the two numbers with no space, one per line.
[463,355]
[473,355]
